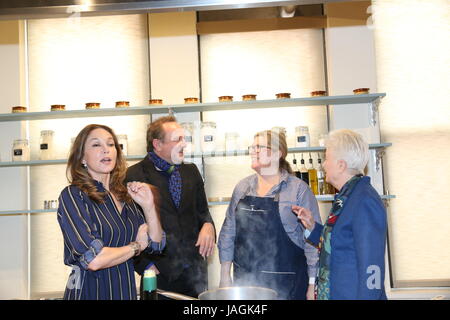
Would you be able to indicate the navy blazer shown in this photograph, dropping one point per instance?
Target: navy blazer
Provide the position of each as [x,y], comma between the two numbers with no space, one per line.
[358,244]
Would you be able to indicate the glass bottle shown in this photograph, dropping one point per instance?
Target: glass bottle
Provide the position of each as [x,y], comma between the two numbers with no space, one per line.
[322,138]
[329,189]
[312,175]
[321,188]
[304,175]
[295,169]
[149,286]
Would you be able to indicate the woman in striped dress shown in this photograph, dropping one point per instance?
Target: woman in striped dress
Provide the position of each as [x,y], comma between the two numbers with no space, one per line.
[104,223]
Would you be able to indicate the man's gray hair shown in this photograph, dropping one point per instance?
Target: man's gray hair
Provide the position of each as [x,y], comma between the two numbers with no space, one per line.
[349,146]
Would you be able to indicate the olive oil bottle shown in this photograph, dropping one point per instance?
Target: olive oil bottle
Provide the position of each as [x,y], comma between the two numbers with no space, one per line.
[312,175]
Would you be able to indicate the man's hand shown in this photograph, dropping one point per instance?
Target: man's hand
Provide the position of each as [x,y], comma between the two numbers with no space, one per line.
[206,240]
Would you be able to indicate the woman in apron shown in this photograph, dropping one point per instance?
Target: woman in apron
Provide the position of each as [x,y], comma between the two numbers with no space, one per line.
[261,236]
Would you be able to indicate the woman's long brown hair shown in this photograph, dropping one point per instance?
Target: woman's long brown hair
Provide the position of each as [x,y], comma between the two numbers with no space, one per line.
[81,178]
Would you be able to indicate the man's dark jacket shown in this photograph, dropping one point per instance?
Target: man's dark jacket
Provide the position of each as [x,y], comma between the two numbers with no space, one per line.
[182,225]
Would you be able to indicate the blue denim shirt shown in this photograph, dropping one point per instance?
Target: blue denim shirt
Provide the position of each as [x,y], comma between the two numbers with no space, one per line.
[293,191]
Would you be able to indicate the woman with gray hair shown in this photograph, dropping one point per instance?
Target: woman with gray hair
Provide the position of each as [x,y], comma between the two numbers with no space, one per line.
[352,241]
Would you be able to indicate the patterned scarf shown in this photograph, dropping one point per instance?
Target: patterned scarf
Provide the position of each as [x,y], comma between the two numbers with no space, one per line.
[173,172]
[323,279]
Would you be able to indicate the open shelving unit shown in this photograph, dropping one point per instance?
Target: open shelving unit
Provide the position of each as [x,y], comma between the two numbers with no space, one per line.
[371,99]
[197,107]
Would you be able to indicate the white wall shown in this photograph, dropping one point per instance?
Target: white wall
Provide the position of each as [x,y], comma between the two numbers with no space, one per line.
[74,61]
[13,181]
[413,63]
[261,63]
[415,123]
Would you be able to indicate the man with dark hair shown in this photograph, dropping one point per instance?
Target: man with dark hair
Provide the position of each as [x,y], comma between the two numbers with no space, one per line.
[190,231]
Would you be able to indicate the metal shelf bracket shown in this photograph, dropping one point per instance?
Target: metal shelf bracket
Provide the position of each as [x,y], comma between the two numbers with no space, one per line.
[374,106]
[379,157]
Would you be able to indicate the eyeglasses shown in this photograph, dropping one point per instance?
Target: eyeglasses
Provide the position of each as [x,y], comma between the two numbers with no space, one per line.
[257,148]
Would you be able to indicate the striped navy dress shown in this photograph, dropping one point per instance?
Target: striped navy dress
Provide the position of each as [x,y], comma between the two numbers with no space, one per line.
[87,227]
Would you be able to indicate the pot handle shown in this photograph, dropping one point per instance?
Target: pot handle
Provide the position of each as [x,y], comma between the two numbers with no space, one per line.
[174,295]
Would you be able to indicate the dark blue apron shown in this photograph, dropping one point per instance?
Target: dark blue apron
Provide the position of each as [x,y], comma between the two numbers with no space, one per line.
[264,255]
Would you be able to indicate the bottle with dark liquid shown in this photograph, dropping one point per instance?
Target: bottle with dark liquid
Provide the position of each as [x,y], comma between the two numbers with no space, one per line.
[295,169]
[304,175]
[149,283]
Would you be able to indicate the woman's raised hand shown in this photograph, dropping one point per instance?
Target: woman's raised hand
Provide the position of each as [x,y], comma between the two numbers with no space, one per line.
[305,216]
[142,194]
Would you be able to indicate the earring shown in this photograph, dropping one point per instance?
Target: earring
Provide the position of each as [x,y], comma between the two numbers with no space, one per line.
[83,164]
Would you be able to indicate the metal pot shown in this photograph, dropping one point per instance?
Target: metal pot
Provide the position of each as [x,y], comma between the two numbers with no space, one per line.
[228,293]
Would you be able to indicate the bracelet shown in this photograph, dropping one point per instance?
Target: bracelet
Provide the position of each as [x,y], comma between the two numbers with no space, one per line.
[136,248]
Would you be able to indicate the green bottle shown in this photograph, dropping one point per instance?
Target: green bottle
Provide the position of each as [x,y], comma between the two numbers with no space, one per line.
[149,291]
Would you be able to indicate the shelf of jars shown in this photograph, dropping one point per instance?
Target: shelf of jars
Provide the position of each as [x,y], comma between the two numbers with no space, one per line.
[372,98]
[187,155]
[218,201]
[321,198]
[51,162]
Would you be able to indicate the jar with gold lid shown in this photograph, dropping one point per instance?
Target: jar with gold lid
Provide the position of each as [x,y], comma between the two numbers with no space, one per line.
[247,97]
[92,105]
[284,95]
[361,91]
[155,101]
[58,107]
[225,98]
[190,100]
[318,93]
[19,109]
[122,104]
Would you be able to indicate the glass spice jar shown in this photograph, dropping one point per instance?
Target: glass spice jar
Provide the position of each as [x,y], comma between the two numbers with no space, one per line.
[123,143]
[231,141]
[208,136]
[46,145]
[302,139]
[188,128]
[21,150]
